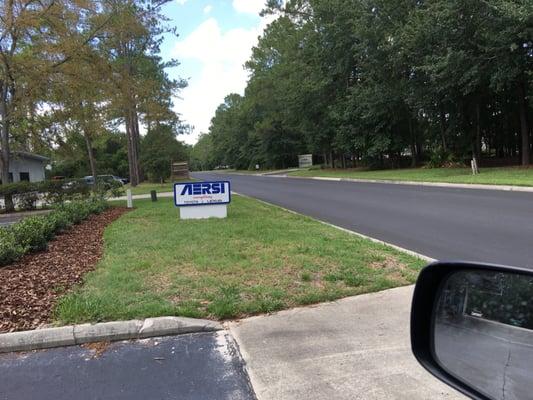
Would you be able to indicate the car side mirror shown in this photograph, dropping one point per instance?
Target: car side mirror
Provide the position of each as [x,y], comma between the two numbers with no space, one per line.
[472,327]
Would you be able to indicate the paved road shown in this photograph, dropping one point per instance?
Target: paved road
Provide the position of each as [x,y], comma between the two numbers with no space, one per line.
[442,223]
[188,367]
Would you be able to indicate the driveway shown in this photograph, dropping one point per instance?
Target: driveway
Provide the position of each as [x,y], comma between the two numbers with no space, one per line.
[442,223]
[188,367]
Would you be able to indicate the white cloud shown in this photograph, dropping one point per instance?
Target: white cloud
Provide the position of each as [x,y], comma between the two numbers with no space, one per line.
[208,8]
[249,6]
[181,2]
[222,56]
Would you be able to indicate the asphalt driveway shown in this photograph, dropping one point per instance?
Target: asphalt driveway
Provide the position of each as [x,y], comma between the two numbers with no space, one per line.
[188,367]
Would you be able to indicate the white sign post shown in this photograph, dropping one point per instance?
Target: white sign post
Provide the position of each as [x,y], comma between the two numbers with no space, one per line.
[199,200]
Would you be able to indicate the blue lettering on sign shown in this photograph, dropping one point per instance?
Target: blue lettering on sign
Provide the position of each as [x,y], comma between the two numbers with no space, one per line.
[203,188]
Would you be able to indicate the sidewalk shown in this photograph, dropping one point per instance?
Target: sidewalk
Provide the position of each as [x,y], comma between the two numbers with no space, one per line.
[356,348]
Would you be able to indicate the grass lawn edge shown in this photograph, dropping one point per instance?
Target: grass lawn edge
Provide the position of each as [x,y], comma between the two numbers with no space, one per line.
[312,271]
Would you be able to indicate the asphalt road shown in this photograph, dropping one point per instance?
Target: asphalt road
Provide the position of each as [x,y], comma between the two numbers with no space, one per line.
[188,367]
[442,223]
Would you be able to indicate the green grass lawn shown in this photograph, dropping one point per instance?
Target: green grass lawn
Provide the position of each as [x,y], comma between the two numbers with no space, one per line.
[147,187]
[491,176]
[260,259]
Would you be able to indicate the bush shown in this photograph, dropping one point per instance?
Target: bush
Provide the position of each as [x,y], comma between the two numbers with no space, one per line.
[27,201]
[33,233]
[10,250]
[443,159]
[59,192]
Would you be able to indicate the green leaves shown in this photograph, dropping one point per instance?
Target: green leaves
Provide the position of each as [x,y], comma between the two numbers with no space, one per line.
[33,233]
[382,81]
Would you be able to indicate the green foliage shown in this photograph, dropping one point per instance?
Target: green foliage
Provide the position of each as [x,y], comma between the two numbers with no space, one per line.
[159,148]
[33,233]
[381,83]
[27,201]
[10,249]
[440,158]
[59,192]
[110,152]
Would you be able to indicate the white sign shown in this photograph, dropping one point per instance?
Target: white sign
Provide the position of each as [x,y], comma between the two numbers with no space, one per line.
[202,199]
[305,160]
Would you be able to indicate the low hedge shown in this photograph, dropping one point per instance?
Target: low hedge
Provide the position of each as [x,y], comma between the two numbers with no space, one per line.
[33,233]
[58,192]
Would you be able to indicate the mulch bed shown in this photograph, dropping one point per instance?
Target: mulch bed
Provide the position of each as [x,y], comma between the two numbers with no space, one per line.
[30,287]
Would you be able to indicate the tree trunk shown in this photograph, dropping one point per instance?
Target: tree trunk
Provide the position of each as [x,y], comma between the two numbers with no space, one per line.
[477,146]
[522,106]
[137,143]
[414,158]
[443,129]
[90,152]
[132,133]
[4,142]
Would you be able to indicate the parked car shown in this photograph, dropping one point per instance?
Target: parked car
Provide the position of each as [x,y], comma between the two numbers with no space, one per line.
[104,178]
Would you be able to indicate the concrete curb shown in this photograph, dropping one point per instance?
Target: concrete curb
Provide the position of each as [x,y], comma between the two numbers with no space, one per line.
[477,186]
[374,240]
[103,332]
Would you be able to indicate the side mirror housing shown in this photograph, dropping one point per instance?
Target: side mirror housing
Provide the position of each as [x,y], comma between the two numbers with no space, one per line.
[472,328]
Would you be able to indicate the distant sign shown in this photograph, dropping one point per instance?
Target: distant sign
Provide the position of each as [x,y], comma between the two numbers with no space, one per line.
[202,194]
[305,160]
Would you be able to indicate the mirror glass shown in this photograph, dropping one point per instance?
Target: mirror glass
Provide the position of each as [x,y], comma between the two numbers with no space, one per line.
[483,332]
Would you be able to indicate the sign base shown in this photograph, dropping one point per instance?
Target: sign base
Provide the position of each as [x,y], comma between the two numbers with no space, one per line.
[203,212]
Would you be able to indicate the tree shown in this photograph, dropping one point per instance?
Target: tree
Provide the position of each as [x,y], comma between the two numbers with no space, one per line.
[384,83]
[202,156]
[159,148]
[139,85]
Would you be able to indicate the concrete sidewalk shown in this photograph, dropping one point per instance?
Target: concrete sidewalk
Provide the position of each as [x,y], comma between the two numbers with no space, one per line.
[356,348]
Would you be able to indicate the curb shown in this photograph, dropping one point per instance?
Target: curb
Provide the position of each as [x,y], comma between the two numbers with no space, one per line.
[477,186]
[73,335]
[340,228]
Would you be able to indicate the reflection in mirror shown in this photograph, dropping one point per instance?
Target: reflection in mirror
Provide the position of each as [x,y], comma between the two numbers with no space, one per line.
[483,332]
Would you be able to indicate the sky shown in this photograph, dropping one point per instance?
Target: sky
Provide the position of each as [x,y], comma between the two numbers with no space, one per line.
[215,40]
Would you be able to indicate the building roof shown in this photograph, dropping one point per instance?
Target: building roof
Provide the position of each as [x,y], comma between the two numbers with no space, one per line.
[25,154]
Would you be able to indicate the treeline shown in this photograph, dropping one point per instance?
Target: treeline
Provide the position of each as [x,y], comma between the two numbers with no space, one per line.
[75,71]
[382,83]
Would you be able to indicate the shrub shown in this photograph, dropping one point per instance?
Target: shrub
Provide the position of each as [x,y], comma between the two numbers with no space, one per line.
[10,250]
[33,233]
[59,192]
[27,201]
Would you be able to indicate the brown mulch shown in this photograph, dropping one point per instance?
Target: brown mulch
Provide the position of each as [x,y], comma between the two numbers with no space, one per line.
[30,287]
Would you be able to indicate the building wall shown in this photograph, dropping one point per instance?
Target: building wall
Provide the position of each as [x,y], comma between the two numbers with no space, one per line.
[34,167]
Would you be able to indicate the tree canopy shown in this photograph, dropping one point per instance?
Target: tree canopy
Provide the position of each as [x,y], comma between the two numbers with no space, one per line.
[74,70]
[383,83]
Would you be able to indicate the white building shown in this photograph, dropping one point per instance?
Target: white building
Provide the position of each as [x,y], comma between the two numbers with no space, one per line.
[25,166]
